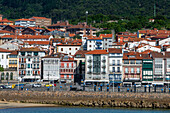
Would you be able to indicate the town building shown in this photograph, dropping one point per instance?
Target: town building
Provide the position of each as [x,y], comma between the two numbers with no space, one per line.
[4,63]
[96,67]
[60,25]
[132,68]
[41,21]
[16,29]
[115,65]
[67,69]
[147,69]
[51,68]
[80,70]
[25,22]
[32,31]
[167,69]
[30,63]
[94,44]
[6,22]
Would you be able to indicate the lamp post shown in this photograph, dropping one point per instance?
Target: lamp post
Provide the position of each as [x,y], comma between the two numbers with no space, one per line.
[113,81]
[86,16]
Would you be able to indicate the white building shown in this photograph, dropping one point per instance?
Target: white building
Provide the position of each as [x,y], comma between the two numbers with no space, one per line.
[30,63]
[115,65]
[107,40]
[69,49]
[4,57]
[148,47]
[25,22]
[96,67]
[51,68]
[94,44]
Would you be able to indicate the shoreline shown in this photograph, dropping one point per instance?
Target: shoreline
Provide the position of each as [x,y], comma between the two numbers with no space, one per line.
[84,99]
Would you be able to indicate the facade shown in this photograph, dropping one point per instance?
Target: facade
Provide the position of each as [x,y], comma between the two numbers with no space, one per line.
[96,67]
[41,21]
[6,22]
[32,31]
[13,60]
[147,69]
[132,68]
[167,68]
[30,63]
[69,49]
[115,65]
[4,58]
[82,29]
[94,44]
[80,70]
[107,40]
[60,25]
[67,69]
[25,22]
[50,68]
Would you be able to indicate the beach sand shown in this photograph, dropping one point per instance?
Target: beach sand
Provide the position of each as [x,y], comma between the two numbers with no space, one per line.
[5,105]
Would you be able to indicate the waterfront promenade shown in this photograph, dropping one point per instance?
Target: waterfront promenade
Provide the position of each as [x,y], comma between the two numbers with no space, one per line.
[91,99]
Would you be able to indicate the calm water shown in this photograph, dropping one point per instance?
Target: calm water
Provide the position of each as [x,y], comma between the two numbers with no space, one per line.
[79,110]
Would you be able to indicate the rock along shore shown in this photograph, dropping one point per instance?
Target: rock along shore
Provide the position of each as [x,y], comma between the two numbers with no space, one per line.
[89,99]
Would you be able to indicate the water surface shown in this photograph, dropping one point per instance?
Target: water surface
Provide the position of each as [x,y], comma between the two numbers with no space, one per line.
[78,110]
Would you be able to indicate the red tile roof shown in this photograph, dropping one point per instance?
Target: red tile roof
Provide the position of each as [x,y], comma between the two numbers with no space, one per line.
[37,42]
[14,53]
[106,35]
[24,19]
[34,17]
[5,50]
[36,49]
[97,52]
[81,52]
[114,50]
[129,55]
[5,31]
[6,21]
[33,37]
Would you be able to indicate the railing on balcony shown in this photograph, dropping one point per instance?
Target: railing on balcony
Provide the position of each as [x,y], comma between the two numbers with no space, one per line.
[104,72]
[104,66]
[36,68]
[89,66]
[36,61]
[96,77]
[89,72]
[22,67]
[90,60]
[22,61]
[104,60]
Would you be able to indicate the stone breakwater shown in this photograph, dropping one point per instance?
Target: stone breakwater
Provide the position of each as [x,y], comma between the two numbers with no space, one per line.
[89,99]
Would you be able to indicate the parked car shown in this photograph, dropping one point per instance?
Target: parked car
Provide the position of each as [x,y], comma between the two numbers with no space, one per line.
[36,85]
[48,85]
[2,86]
[8,87]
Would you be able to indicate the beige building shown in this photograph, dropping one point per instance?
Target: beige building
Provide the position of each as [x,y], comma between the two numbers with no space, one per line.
[41,21]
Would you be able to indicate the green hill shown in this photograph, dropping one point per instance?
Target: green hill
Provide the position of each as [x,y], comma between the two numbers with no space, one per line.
[74,9]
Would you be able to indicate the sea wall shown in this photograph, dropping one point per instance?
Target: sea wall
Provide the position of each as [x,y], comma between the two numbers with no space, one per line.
[90,99]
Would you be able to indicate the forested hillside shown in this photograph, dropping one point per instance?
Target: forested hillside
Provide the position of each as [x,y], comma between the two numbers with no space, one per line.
[73,9]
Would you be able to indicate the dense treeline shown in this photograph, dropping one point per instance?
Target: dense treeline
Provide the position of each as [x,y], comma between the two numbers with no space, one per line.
[73,9]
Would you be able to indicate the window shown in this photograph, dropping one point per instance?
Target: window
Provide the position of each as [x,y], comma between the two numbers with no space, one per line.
[2,56]
[118,69]
[126,61]
[138,62]
[65,76]
[113,69]
[29,59]
[132,70]
[29,53]
[118,62]
[132,62]
[37,65]
[89,45]
[69,65]
[69,76]
[113,61]
[75,48]
[138,70]
[7,57]
[28,65]
[65,65]
[61,49]
[23,53]
[35,53]
[69,48]
[126,70]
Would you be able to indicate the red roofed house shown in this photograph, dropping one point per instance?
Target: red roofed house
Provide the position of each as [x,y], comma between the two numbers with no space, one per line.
[67,69]
[69,47]
[30,63]
[25,22]
[6,22]
[125,36]
[32,31]
[16,29]
[41,21]
[132,68]
[43,44]
[82,29]
[96,67]
[107,40]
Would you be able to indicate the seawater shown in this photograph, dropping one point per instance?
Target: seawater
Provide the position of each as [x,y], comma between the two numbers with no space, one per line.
[79,110]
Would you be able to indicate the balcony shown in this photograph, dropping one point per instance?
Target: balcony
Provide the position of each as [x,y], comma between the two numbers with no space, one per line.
[22,61]
[96,78]
[103,60]
[36,68]
[104,66]
[35,61]
[103,72]
[138,73]
[89,66]
[89,60]
[89,72]
[22,68]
